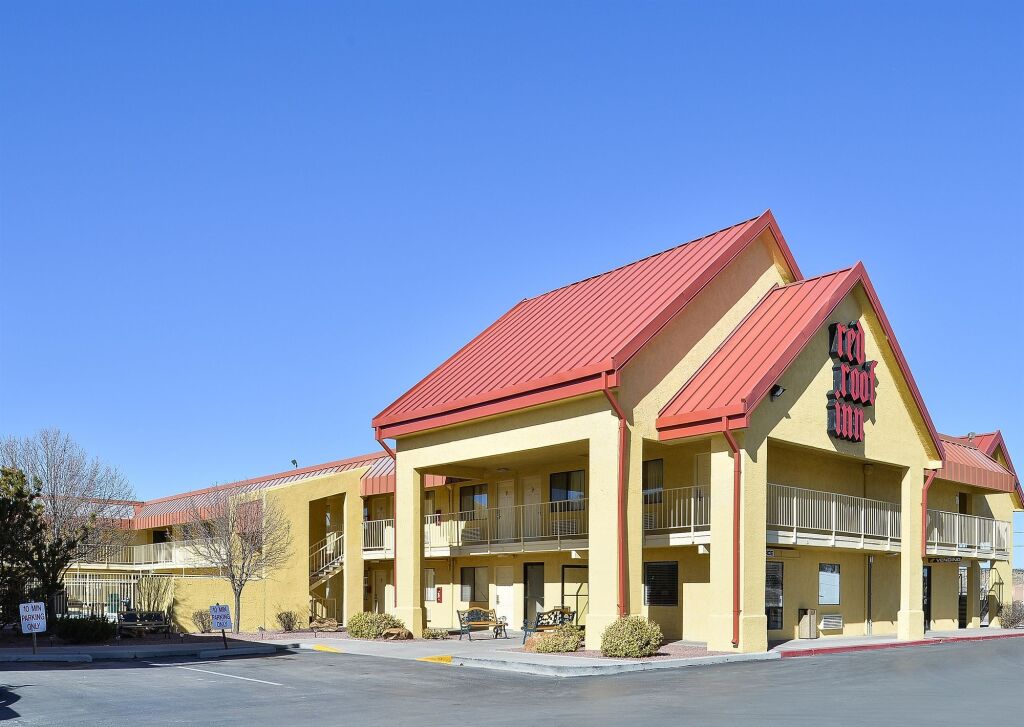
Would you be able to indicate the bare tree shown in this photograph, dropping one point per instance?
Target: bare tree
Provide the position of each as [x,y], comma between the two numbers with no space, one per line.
[242,535]
[86,502]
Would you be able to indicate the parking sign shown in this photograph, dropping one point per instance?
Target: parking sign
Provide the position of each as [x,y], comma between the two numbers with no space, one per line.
[221,617]
[33,618]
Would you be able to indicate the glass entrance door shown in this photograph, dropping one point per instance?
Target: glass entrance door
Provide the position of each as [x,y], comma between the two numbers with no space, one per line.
[926,597]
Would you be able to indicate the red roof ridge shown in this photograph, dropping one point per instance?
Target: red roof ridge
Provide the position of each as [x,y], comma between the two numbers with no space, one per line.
[253,480]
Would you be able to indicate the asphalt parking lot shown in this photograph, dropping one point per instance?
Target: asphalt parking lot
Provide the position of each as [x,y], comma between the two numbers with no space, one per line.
[935,685]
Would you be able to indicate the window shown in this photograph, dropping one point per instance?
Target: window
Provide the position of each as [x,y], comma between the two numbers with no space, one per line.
[429,587]
[653,480]
[474,584]
[661,583]
[566,487]
[828,584]
[773,595]
[473,499]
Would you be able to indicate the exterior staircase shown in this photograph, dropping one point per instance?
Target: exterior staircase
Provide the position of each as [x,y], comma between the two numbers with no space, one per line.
[326,558]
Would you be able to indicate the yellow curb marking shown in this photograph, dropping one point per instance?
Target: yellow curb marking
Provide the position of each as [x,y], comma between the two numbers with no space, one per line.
[329,649]
[442,659]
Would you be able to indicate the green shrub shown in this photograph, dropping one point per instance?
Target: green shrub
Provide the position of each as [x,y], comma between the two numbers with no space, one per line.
[88,630]
[367,625]
[288,620]
[631,637]
[435,633]
[566,638]
[1011,615]
[202,620]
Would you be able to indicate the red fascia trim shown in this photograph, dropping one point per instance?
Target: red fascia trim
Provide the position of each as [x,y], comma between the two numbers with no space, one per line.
[552,394]
[696,417]
[621,505]
[701,428]
[386,418]
[928,480]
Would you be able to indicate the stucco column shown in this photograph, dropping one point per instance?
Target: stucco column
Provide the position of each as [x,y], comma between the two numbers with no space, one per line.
[635,523]
[603,556]
[352,575]
[753,624]
[409,546]
[910,619]
[973,595]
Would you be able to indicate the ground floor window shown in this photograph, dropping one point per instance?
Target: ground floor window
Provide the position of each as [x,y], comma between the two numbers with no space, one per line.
[828,584]
[773,595]
[474,584]
[661,583]
[429,584]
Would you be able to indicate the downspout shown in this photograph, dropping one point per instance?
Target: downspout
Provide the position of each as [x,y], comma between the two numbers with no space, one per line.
[735,531]
[622,493]
[394,516]
[924,511]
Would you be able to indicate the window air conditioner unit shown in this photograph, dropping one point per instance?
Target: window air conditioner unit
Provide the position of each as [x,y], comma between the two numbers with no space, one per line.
[832,622]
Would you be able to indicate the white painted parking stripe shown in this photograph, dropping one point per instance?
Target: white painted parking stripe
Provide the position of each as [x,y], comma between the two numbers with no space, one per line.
[233,676]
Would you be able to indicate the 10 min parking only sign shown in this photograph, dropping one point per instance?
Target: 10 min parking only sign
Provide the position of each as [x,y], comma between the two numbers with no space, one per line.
[33,617]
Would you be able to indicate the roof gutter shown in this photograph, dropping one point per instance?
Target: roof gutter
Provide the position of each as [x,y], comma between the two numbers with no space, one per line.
[735,531]
[924,510]
[623,597]
[394,515]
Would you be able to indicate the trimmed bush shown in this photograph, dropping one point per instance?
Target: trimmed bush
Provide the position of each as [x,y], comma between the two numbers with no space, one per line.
[631,637]
[435,633]
[564,639]
[88,630]
[367,625]
[203,621]
[1011,615]
[288,620]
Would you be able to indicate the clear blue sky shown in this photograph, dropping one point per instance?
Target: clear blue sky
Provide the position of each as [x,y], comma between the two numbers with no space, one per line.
[231,234]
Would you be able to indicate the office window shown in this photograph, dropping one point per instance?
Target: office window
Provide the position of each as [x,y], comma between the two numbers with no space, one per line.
[653,481]
[567,487]
[429,587]
[473,498]
[474,584]
[661,583]
[773,595]
[828,584]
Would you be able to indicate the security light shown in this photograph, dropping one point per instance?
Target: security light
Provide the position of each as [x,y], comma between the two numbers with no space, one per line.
[776,392]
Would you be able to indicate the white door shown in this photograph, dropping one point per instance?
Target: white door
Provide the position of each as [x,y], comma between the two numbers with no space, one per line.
[380,590]
[533,513]
[507,510]
[503,592]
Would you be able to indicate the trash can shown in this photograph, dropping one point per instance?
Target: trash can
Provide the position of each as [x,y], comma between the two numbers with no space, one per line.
[808,623]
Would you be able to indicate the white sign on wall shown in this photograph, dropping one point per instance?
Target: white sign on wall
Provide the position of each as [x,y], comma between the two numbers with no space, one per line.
[221,617]
[33,618]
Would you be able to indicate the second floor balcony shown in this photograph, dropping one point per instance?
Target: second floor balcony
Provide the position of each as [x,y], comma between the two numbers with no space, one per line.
[151,556]
[534,527]
[799,516]
[955,534]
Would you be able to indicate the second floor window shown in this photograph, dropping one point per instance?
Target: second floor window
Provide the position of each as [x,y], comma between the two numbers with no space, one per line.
[473,500]
[567,488]
[653,478]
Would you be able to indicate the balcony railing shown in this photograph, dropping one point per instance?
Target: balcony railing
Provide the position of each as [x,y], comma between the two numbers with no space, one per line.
[379,535]
[326,554]
[683,509]
[174,554]
[813,517]
[534,526]
[950,533]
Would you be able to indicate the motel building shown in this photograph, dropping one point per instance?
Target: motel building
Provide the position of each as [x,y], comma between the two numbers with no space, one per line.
[704,437]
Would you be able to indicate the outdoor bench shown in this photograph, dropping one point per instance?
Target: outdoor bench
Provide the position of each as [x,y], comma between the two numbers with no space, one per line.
[547,621]
[135,623]
[480,618]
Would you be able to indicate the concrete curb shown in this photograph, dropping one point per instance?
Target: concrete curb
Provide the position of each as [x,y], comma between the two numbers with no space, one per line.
[831,650]
[568,670]
[28,658]
[240,651]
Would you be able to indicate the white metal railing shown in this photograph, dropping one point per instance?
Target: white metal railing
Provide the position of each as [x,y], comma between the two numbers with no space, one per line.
[107,554]
[819,513]
[326,553]
[968,534]
[686,509]
[515,524]
[379,534]
[178,553]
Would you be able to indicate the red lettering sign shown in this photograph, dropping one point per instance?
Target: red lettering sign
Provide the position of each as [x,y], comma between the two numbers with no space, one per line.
[853,382]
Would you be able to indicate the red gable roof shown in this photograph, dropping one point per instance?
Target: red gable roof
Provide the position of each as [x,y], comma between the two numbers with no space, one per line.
[967,464]
[565,342]
[988,444]
[741,372]
[380,478]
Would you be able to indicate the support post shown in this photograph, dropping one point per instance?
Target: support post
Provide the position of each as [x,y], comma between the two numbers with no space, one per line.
[353,590]
[409,546]
[910,618]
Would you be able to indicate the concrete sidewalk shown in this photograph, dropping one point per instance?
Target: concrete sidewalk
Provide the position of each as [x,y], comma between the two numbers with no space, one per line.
[87,654]
[847,644]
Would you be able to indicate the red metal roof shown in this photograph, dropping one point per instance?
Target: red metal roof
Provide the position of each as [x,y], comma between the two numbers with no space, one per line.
[988,443]
[967,464]
[177,509]
[564,343]
[380,478]
[741,372]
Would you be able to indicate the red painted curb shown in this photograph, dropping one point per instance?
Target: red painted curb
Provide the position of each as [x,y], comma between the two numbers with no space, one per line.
[829,650]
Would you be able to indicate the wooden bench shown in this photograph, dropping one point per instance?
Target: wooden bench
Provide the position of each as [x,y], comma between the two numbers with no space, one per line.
[134,623]
[480,618]
[547,621]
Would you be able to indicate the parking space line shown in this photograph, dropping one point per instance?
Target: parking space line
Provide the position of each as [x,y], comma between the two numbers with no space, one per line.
[232,676]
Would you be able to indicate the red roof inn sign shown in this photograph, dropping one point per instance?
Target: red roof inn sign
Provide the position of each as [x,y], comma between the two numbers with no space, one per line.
[853,382]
